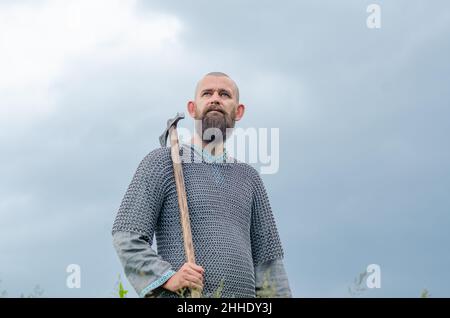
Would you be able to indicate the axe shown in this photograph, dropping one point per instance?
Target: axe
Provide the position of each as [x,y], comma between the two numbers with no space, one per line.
[171,132]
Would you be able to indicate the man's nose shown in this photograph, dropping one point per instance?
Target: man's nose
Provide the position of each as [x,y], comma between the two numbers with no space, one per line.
[215,99]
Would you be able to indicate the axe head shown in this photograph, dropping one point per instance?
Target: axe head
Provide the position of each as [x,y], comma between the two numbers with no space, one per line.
[171,122]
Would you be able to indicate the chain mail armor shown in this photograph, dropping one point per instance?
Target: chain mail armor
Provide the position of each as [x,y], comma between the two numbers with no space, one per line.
[233,228]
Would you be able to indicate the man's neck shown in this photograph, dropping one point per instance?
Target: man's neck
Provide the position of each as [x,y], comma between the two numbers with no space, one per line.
[215,149]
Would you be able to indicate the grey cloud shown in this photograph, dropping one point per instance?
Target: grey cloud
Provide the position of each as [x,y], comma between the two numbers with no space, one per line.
[363,117]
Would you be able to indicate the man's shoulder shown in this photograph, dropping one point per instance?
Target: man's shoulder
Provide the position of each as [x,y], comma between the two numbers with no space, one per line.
[247,170]
[159,156]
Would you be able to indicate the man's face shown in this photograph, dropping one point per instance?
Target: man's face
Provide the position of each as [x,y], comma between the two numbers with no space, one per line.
[216,104]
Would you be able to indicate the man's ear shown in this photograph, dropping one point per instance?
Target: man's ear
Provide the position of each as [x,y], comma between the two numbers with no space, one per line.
[240,111]
[191,107]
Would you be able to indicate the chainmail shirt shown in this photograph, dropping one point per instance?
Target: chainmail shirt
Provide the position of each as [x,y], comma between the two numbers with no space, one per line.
[233,228]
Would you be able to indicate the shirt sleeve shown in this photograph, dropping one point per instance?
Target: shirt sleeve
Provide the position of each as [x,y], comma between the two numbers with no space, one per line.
[265,240]
[267,251]
[142,202]
[145,269]
[271,280]
[135,224]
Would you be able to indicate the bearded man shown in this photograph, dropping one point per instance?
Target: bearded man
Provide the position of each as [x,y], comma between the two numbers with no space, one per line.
[237,246]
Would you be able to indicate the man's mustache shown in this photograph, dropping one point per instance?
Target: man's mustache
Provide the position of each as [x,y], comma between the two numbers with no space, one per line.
[215,108]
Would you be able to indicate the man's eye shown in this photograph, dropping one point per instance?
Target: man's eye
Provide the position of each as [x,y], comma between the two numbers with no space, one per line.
[224,93]
[206,93]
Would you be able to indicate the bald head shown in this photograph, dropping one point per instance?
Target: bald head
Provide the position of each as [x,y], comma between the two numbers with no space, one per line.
[219,74]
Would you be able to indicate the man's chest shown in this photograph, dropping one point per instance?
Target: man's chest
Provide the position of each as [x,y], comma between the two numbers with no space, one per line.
[217,192]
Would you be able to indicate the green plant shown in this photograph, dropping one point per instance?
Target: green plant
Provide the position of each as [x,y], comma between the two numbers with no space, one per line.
[358,286]
[268,288]
[122,292]
[119,290]
[219,290]
[425,293]
[3,293]
[35,293]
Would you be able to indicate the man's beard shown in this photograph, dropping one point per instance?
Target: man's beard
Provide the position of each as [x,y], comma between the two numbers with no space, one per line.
[214,124]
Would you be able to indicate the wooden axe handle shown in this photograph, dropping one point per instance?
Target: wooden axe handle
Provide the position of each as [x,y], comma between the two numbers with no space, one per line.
[182,201]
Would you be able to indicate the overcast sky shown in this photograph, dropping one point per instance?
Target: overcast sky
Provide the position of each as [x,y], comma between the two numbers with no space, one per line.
[364,116]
